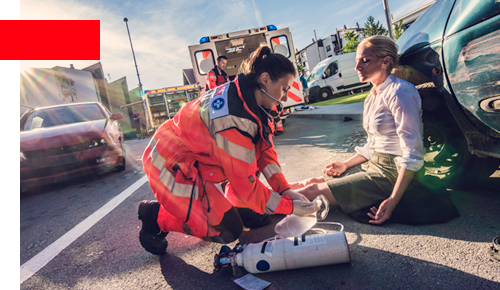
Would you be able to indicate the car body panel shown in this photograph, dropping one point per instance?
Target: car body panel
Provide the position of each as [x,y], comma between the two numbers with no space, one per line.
[472,59]
[455,44]
[427,29]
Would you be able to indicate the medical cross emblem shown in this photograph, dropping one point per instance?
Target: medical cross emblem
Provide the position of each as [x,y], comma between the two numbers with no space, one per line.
[218,104]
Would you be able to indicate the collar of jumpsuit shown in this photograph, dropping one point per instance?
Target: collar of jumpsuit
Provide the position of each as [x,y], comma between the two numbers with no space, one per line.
[246,92]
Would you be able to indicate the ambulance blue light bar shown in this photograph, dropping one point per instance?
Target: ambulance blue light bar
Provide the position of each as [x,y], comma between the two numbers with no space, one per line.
[271,27]
[204,39]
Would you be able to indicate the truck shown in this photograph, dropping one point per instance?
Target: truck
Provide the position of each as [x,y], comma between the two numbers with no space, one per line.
[237,46]
[334,75]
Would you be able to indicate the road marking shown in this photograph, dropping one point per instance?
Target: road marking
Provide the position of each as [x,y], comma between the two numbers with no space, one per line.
[32,266]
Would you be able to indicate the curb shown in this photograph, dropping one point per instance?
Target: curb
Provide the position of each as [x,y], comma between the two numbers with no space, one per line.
[354,116]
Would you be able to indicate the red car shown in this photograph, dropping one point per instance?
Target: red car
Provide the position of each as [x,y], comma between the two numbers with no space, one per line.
[65,141]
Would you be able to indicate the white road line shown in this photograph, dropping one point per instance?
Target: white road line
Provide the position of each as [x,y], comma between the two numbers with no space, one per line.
[29,268]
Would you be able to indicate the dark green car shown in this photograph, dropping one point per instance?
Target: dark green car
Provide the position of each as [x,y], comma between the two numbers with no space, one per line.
[452,54]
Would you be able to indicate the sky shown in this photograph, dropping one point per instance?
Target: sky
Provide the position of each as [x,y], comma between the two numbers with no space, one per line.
[162,30]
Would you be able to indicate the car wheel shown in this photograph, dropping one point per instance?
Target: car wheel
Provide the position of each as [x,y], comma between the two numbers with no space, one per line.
[325,93]
[447,156]
[121,166]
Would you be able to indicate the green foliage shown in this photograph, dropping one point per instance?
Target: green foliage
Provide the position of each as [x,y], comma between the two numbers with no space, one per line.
[399,29]
[352,42]
[300,67]
[372,28]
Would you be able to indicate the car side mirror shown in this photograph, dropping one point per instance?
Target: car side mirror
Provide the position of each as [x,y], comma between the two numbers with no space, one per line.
[117,116]
[324,75]
[340,75]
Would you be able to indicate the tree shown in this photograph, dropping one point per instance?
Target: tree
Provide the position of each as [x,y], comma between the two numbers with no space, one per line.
[351,42]
[300,67]
[399,29]
[372,28]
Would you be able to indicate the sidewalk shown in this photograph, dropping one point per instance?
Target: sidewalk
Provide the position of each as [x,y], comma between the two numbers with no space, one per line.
[334,112]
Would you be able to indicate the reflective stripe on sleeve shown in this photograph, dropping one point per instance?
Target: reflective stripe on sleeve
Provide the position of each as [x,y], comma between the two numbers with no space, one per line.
[273,202]
[157,160]
[177,189]
[271,169]
[230,121]
[235,150]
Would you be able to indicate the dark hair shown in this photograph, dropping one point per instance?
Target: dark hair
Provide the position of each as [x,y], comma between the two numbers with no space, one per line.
[221,57]
[263,60]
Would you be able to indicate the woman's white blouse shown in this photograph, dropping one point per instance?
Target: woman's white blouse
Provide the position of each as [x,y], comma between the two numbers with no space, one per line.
[393,122]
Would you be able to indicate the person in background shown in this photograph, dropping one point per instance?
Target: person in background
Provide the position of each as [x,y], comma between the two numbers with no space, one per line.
[277,123]
[392,118]
[217,76]
[305,88]
[137,123]
[221,138]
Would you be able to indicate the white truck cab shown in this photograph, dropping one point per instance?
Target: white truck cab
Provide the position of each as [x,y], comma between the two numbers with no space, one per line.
[334,75]
[237,46]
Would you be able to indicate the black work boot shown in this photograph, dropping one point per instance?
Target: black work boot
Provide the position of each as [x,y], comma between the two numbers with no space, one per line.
[151,237]
[253,220]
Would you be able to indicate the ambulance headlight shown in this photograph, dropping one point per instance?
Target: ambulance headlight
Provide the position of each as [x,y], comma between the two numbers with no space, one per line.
[204,39]
[271,27]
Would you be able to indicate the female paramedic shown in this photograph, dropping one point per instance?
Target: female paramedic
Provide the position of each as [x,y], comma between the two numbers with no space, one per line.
[222,136]
[392,118]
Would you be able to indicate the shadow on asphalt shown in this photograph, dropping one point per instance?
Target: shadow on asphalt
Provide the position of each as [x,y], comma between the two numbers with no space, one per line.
[391,271]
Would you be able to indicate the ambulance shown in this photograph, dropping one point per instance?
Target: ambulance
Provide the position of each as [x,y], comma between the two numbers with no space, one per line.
[237,46]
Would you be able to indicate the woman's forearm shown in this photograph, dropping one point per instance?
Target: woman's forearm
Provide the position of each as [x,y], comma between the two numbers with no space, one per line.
[355,160]
[404,178]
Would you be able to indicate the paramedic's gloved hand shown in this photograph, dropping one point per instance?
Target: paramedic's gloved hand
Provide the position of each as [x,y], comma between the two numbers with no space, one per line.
[293,195]
[303,208]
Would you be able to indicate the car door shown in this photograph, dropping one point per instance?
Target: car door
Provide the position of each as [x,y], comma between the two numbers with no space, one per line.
[332,77]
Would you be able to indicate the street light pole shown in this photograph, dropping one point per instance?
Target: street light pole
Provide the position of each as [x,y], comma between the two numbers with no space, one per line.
[315,38]
[126,23]
[388,18]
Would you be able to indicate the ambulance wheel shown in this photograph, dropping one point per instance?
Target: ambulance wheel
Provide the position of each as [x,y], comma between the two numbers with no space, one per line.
[325,93]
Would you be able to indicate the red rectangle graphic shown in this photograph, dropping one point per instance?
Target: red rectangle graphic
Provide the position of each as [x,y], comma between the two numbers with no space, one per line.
[50,40]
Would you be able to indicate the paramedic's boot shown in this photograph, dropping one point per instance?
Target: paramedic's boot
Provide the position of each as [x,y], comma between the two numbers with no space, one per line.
[253,220]
[151,237]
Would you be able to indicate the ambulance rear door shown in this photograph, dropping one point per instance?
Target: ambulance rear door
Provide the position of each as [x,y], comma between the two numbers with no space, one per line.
[281,42]
[203,58]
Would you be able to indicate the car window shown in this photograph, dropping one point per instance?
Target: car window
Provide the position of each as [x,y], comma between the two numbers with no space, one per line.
[62,115]
[467,13]
[427,29]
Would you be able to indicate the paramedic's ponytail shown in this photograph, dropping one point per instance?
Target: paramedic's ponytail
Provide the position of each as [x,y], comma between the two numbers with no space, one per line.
[263,60]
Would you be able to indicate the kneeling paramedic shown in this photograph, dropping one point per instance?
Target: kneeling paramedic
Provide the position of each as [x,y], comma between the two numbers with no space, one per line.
[223,137]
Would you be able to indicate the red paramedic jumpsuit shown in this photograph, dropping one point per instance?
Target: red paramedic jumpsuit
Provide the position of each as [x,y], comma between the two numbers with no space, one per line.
[215,138]
[214,79]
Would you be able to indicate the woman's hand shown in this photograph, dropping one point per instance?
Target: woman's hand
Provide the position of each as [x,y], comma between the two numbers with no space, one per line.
[335,168]
[293,195]
[384,211]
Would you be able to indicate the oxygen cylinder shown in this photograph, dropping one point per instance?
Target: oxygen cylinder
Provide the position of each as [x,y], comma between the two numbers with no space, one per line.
[292,253]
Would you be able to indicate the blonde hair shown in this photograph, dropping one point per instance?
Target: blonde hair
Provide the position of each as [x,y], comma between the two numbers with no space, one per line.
[383,46]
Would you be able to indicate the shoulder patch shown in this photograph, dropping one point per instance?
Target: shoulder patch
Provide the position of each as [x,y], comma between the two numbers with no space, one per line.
[218,106]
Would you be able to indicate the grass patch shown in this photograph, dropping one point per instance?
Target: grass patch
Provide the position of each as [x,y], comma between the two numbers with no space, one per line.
[349,99]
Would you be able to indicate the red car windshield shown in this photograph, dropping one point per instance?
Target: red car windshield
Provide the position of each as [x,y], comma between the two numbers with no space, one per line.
[62,116]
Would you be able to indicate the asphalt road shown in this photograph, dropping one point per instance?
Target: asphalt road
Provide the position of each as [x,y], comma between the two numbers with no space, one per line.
[393,256]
